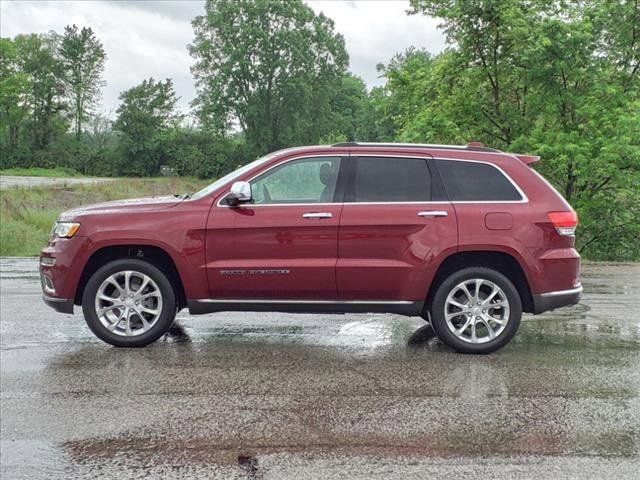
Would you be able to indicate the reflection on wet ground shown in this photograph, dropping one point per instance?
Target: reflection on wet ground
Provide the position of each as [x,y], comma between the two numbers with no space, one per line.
[300,396]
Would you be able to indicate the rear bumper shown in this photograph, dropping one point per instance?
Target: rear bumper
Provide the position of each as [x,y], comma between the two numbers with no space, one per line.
[62,305]
[552,300]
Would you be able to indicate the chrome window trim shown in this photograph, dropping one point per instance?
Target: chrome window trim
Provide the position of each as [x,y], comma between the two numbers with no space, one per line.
[426,202]
[251,205]
[524,199]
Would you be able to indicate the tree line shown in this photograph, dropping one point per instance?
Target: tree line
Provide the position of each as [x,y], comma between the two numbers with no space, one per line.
[556,79]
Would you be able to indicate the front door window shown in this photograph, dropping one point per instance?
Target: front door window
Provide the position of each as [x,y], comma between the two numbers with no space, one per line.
[308,180]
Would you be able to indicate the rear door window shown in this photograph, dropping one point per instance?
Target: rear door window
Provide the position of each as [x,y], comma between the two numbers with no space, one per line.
[390,179]
[473,181]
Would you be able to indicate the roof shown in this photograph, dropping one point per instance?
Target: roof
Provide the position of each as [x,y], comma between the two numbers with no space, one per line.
[476,147]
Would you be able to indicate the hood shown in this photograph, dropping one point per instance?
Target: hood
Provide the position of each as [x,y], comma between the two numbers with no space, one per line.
[123,206]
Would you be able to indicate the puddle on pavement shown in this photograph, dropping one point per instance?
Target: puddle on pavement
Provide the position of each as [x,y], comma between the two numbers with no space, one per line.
[362,332]
[605,318]
[171,451]
[382,332]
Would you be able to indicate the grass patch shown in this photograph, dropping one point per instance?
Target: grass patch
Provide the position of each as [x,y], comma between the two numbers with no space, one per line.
[20,239]
[41,172]
[26,214]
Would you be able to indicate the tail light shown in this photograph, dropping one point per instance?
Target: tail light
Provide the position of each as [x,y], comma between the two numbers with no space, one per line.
[564,222]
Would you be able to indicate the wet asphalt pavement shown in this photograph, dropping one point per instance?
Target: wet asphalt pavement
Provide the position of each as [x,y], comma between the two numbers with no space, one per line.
[317,396]
[9,181]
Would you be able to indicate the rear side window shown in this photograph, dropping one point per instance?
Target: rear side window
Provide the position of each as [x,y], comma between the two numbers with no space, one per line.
[390,179]
[471,181]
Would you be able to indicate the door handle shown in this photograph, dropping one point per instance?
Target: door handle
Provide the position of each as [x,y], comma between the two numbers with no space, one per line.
[433,213]
[317,215]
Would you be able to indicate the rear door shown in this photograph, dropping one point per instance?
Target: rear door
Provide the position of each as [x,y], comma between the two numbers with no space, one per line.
[396,221]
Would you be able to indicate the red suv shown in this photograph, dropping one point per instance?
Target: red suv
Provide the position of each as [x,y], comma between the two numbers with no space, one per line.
[465,236]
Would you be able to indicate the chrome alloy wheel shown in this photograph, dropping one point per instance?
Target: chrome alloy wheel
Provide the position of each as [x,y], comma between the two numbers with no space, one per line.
[476,310]
[128,303]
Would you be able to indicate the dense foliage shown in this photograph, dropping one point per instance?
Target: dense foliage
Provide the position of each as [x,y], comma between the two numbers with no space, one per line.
[556,79]
[82,60]
[270,67]
[146,114]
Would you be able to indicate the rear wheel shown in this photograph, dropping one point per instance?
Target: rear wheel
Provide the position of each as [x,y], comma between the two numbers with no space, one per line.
[129,303]
[476,310]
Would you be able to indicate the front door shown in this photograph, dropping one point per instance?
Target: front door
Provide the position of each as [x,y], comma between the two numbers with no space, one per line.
[284,244]
[395,222]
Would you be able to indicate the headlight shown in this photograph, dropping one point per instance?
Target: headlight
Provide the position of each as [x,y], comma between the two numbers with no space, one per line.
[64,229]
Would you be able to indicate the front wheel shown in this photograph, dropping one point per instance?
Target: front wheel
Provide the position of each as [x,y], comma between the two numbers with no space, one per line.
[129,303]
[476,310]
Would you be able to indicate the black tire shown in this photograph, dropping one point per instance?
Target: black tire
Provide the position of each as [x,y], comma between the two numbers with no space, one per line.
[444,332]
[167,311]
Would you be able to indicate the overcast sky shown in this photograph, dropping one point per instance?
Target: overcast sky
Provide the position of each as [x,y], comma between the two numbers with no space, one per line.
[149,38]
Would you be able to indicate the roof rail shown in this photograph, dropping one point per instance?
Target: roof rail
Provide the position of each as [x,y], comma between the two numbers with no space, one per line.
[472,146]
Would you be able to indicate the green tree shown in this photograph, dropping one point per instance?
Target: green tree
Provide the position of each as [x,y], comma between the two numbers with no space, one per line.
[194,152]
[556,78]
[83,59]
[347,108]
[145,117]
[13,87]
[267,67]
[490,38]
[43,99]
[376,124]
[409,88]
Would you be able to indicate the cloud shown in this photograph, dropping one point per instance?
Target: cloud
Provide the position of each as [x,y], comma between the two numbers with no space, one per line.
[375,30]
[179,10]
[139,42]
[150,38]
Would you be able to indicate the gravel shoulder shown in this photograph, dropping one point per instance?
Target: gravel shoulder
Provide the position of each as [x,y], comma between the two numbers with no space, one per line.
[9,181]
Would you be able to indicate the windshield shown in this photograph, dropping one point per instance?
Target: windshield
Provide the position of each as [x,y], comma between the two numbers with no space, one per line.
[230,176]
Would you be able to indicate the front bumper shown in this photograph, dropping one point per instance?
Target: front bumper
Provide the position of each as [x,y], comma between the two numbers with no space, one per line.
[552,300]
[62,305]
[61,264]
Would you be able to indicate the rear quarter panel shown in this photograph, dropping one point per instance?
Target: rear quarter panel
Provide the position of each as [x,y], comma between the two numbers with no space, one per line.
[549,260]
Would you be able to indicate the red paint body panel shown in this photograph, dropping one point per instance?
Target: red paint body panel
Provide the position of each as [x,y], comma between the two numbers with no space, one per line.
[363,252]
[178,230]
[299,254]
[388,252]
[71,256]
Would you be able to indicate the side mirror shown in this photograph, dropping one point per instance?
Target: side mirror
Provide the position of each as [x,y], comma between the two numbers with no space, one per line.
[240,193]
